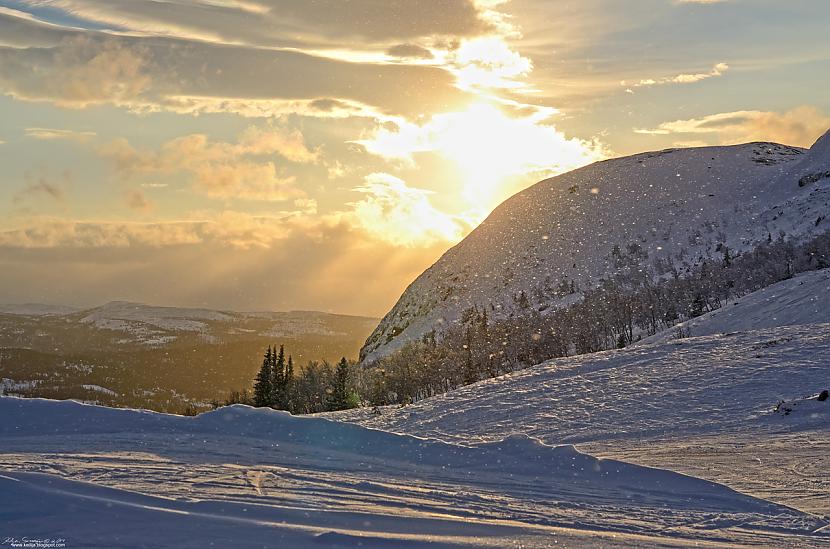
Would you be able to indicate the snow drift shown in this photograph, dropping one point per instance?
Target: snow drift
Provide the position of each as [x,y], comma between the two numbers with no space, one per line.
[562,467]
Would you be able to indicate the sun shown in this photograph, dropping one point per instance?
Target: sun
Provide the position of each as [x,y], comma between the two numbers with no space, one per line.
[491,148]
[496,151]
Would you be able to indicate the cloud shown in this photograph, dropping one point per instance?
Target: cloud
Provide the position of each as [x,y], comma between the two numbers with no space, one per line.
[136,200]
[48,134]
[410,50]
[402,215]
[41,187]
[285,23]
[489,63]
[78,72]
[800,126]
[700,1]
[79,68]
[488,146]
[717,70]
[229,228]
[220,169]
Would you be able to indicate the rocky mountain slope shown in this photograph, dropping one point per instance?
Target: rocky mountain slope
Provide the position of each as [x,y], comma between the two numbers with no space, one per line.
[664,210]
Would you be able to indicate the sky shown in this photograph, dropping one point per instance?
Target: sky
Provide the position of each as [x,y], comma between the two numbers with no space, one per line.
[320,154]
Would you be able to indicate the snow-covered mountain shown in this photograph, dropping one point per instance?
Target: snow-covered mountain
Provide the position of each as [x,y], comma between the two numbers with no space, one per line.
[667,208]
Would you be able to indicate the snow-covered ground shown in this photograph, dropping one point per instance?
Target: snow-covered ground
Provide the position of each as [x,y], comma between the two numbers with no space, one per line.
[700,385]
[245,477]
[704,406]
[803,299]
[678,442]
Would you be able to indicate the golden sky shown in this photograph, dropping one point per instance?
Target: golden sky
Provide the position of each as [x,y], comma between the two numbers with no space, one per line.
[320,154]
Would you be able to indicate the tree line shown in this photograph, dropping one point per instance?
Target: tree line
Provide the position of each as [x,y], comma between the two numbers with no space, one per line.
[637,301]
[316,387]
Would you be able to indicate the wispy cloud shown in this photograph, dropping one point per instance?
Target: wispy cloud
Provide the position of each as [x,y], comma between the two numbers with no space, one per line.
[41,187]
[78,68]
[684,78]
[220,169]
[48,134]
[800,126]
[286,23]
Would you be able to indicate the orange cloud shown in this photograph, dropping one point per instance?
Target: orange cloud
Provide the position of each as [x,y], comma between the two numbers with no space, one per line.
[800,126]
[221,169]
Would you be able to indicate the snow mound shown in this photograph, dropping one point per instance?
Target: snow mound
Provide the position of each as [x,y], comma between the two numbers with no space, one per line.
[804,299]
[555,468]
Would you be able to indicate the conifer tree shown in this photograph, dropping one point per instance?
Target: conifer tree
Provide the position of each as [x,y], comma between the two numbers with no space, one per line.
[263,386]
[288,389]
[340,393]
[278,377]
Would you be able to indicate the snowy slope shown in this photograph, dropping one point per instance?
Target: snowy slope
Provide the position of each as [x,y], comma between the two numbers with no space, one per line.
[719,383]
[803,299]
[249,477]
[119,313]
[676,205]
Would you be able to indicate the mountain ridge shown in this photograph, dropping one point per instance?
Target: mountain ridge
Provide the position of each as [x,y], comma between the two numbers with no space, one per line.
[666,209]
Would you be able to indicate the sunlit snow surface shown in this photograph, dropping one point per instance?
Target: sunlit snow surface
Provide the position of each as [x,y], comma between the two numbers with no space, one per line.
[496,466]
[105,477]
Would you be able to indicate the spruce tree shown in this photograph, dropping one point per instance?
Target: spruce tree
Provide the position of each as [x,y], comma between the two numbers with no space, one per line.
[339,399]
[263,386]
[289,385]
[278,378]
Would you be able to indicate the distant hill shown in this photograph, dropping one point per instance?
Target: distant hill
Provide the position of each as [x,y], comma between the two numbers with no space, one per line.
[162,358]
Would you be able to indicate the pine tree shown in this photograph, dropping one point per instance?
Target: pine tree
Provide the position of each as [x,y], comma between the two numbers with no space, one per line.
[289,386]
[727,257]
[339,399]
[263,386]
[278,377]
